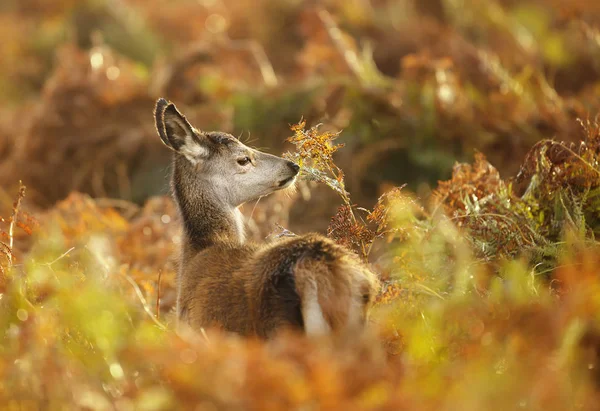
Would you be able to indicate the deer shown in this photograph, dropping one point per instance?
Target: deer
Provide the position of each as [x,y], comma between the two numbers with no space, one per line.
[306,283]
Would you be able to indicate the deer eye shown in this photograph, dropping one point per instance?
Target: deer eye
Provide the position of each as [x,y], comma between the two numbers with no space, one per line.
[243,161]
[366,298]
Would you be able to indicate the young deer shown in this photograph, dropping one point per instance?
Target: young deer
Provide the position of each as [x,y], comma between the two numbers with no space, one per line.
[306,282]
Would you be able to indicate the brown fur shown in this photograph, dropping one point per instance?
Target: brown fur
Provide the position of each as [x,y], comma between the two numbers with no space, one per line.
[246,288]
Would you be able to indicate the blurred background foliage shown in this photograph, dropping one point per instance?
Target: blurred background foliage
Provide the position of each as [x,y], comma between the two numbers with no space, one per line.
[415,86]
[483,110]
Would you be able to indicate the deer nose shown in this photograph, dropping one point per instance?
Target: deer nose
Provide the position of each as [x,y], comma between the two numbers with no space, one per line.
[295,167]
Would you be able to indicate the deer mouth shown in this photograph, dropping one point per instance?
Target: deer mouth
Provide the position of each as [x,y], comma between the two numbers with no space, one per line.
[287,182]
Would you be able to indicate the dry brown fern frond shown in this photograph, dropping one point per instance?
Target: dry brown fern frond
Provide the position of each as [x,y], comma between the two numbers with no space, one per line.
[314,153]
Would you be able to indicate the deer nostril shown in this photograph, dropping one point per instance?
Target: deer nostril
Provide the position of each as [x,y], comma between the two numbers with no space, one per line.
[295,167]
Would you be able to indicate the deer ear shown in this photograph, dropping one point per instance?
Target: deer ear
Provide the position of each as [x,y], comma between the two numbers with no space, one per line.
[177,133]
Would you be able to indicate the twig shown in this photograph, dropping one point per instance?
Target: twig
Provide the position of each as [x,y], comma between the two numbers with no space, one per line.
[63,255]
[158,295]
[205,335]
[143,300]
[336,36]
[6,248]
[530,241]
[260,56]
[591,167]
[201,52]
[255,205]
[13,222]
[549,270]
[346,198]
[429,291]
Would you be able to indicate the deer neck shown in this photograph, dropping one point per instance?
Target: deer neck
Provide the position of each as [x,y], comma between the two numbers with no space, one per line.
[206,220]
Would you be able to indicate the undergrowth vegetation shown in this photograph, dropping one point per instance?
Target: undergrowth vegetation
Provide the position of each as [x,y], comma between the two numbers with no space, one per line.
[451,144]
[490,301]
